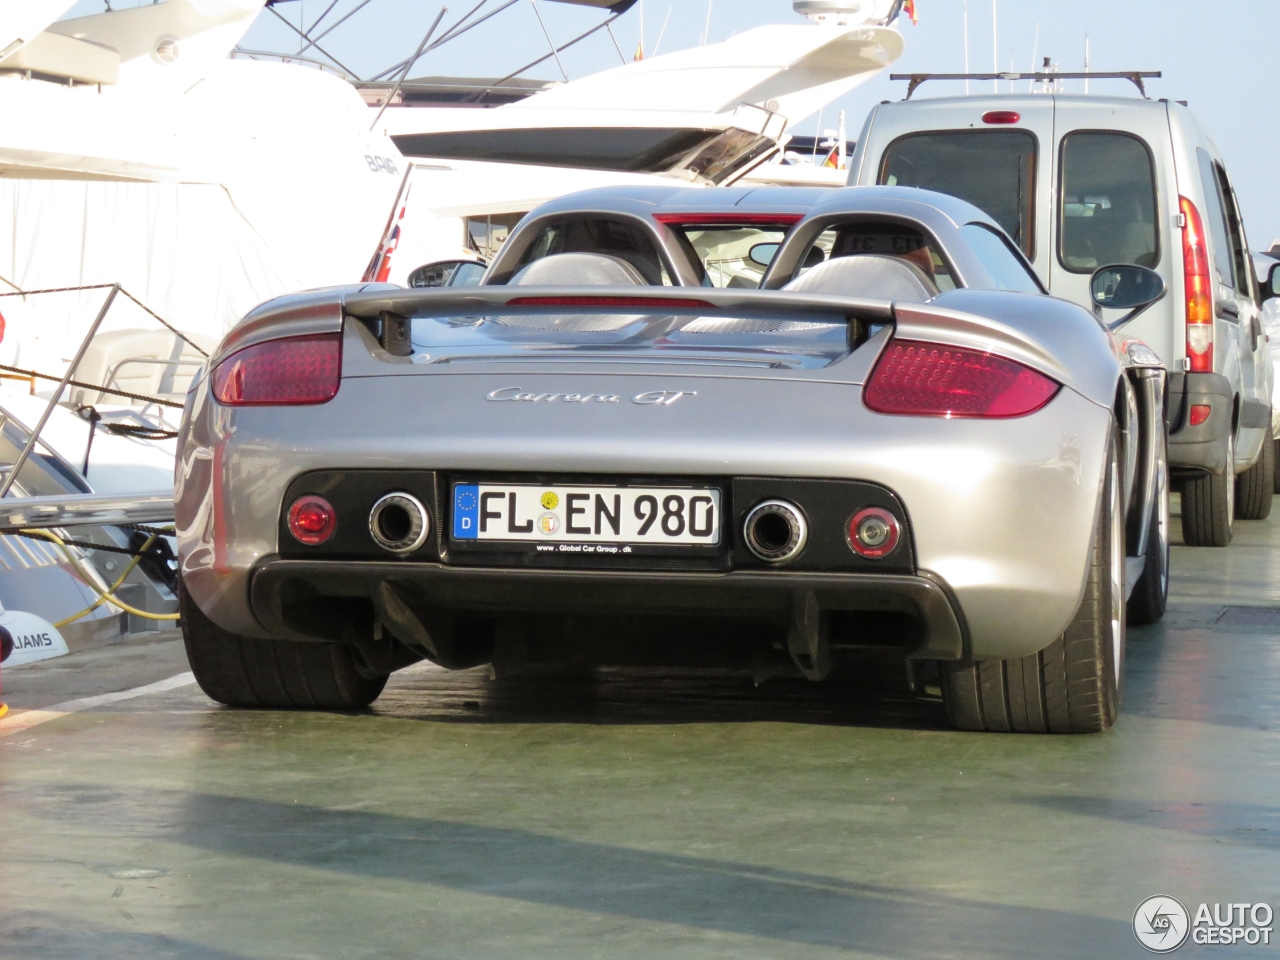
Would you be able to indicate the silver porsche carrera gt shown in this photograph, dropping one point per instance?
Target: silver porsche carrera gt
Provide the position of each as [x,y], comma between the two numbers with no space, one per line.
[898,440]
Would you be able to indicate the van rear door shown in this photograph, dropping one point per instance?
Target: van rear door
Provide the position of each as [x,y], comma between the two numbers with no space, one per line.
[994,152]
[1117,202]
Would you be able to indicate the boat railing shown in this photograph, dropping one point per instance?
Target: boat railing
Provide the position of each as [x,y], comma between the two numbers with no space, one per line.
[239,53]
[112,379]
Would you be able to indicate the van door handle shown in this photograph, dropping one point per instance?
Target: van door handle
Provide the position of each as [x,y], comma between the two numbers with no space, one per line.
[1227,310]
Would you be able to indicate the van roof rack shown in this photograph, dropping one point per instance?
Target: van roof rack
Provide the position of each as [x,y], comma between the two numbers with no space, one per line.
[1133,76]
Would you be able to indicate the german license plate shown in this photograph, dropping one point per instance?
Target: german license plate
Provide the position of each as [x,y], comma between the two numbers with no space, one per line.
[648,516]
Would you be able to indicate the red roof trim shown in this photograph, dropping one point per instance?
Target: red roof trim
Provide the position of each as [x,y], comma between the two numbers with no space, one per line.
[589,301]
[743,219]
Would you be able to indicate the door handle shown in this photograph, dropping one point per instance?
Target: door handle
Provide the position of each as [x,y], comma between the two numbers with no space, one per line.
[1228,310]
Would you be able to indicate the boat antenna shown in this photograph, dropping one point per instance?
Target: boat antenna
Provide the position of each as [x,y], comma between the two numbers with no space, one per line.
[995,43]
[663,32]
[706,30]
[409,66]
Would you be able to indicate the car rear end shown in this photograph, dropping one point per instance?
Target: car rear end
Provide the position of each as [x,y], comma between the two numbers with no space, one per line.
[642,461]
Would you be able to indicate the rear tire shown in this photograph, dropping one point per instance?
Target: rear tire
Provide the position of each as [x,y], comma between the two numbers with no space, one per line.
[1074,684]
[1208,506]
[1151,593]
[1255,487]
[273,674]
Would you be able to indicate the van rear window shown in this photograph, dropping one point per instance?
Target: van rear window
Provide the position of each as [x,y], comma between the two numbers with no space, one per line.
[1108,202]
[992,169]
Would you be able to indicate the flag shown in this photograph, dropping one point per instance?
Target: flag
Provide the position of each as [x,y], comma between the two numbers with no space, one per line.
[639,53]
[910,9]
[833,159]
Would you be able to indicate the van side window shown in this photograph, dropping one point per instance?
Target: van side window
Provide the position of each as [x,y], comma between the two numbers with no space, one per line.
[1108,211]
[1216,217]
[993,170]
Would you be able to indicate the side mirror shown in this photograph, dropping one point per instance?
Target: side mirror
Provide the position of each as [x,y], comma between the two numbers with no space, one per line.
[1272,288]
[763,253]
[1125,286]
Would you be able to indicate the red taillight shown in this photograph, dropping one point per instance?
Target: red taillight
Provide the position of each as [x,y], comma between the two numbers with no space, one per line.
[874,533]
[934,380]
[1200,413]
[1001,116]
[296,371]
[312,520]
[1199,287]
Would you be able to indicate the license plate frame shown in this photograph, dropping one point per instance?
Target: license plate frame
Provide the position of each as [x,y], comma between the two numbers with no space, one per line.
[575,538]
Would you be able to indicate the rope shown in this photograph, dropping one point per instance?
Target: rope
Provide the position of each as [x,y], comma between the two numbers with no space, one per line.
[107,596]
[143,528]
[103,286]
[89,413]
[92,386]
[139,431]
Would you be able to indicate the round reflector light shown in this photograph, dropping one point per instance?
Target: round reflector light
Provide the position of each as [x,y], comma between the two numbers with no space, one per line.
[1001,116]
[312,520]
[874,533]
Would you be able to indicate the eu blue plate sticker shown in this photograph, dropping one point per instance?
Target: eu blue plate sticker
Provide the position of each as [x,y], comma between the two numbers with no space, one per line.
[466,510]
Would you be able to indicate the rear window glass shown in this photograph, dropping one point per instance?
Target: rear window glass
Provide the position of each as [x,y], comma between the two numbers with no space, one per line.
[1108,202]
[993,170]
[884,239]
[1004,268]
[732,256]
[626,241]
[762,342]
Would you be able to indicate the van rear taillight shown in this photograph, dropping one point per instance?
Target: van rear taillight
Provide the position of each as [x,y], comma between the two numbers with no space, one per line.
[1195,272]
[1001,116]
[920,379]
[295,371]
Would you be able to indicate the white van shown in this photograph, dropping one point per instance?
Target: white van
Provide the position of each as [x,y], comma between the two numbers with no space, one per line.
[1082,182]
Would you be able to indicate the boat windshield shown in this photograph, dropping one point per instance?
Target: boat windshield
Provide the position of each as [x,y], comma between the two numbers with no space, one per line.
[765,342]
[628,149]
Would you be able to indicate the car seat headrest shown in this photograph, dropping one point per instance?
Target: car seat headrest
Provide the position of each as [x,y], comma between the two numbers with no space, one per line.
[871,275]
[579,270]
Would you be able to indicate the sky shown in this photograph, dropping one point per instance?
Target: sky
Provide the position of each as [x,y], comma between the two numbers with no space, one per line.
[1221,57]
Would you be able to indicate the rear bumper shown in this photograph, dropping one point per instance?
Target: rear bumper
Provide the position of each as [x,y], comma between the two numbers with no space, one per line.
[1200,448]
[294,598]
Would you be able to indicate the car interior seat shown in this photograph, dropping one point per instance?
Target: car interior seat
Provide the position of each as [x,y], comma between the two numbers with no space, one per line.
[579,270]
[871,275]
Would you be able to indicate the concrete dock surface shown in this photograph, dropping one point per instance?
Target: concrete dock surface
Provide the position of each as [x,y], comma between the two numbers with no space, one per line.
[644,813]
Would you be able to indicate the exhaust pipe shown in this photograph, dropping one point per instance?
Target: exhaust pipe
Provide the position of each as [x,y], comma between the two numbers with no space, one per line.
[776,531]
[399,523]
